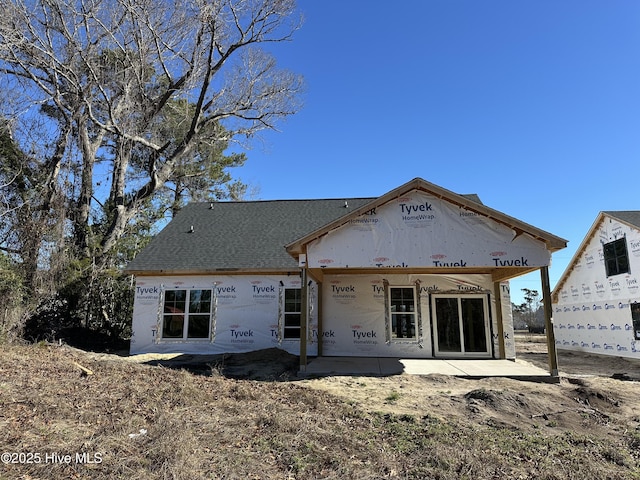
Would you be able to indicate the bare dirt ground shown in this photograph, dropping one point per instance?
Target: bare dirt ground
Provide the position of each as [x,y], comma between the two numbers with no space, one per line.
[533,348]
[593,388]
[596,391]
[250,416]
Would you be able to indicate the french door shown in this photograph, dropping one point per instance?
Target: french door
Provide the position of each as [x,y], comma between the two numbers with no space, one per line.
[461,325]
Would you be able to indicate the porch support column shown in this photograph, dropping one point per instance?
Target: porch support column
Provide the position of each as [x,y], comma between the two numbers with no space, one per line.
[497,293]
[319,315]
[304,319]
[548,325]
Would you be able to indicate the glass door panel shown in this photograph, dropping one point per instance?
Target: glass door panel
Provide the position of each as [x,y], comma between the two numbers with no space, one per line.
[461,325]
[448,325]
[473,325]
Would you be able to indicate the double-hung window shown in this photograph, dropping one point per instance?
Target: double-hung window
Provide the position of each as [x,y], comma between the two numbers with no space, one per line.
[616,258]
[402,310]
[292,312]
[187,314]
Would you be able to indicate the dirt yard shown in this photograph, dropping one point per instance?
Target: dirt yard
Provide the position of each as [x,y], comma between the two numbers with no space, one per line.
[596,388]
[250,416]
[593,388]
[596,391]
[533,349]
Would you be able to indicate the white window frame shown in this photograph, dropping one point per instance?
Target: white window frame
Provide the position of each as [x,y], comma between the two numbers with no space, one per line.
[285,312]
[486,319]
[187,315]
[391,335]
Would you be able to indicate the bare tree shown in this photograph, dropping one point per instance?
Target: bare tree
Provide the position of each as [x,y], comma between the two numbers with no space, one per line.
[30,208]
[103,78]
[114,112]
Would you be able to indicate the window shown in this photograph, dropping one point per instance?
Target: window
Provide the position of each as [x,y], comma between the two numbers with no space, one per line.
[186,314]
[635,317]
[616,260]
[402,310]
[292,312]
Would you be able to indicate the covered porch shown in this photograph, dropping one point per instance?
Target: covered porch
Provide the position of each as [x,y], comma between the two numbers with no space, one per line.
[430,260]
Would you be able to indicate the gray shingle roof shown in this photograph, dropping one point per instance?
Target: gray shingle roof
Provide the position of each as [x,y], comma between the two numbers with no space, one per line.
[629,216]
[237,235]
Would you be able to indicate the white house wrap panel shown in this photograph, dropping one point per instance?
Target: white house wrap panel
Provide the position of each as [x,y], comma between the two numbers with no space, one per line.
[592,311]
[246,316]
[421,230]
[354,313]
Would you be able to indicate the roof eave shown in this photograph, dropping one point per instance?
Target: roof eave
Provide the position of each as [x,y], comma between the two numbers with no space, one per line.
[210,271]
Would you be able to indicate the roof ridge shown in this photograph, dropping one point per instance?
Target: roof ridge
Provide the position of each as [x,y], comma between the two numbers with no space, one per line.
[280,200]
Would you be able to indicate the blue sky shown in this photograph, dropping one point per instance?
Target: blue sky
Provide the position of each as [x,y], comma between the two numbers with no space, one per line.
[533,105]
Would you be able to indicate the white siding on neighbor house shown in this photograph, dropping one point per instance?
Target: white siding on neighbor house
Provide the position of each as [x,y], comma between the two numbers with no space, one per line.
[593,312]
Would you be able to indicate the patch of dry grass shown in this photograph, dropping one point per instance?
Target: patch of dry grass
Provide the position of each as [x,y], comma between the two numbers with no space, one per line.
[212,427]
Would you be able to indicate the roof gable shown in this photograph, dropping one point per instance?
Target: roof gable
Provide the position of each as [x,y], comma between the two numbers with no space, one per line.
[469,203]
[631,218]
[420,230]
[251,236]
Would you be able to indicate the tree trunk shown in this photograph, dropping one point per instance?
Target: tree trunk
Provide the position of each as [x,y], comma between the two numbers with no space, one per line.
[83,206]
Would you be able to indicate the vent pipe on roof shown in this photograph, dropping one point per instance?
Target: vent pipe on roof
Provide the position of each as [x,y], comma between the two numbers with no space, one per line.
[211,206]
[346,204]
[191,229]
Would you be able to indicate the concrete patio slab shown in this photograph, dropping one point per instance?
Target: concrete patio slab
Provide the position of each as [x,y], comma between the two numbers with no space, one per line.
[356,366]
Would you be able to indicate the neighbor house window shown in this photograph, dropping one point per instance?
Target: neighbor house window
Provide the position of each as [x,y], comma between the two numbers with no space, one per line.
[186,314]
[616,259]
[402,310]
[292,312]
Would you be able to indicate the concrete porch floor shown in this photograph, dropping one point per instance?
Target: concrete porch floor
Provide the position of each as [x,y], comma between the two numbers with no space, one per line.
[374,366]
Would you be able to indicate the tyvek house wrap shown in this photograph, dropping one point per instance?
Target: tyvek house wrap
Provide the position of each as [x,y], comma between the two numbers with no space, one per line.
[354,322]
[593,312]
[421,230]
[247,314]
